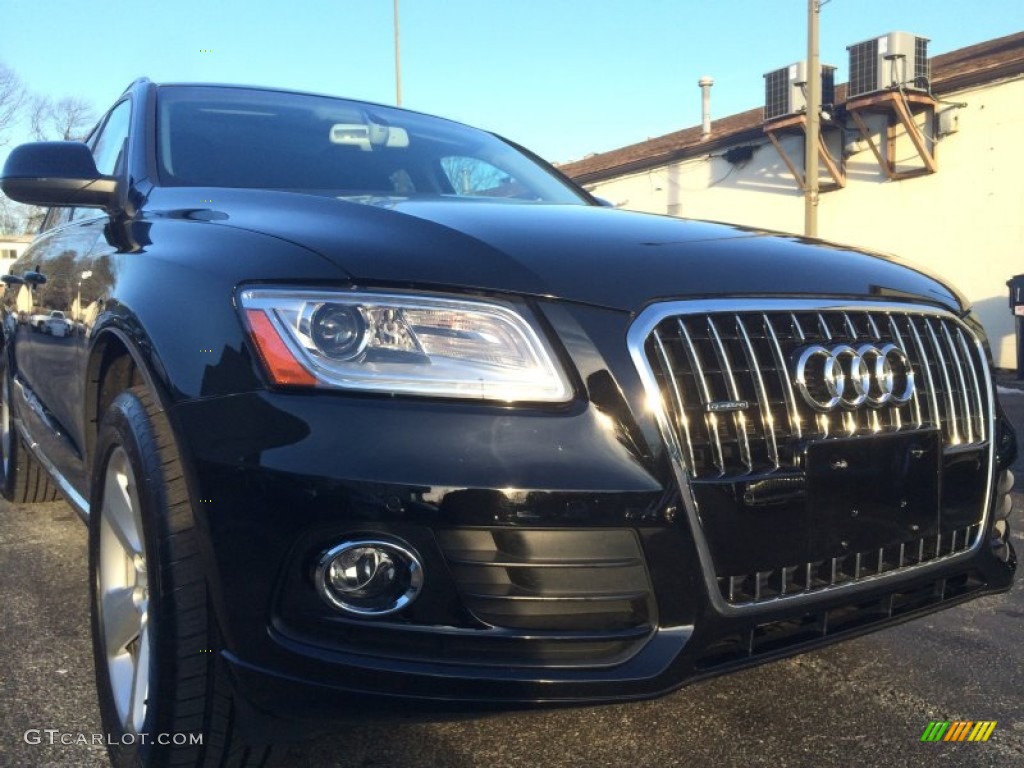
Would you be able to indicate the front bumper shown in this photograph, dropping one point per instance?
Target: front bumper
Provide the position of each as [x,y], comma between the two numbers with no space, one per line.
[561,560]
[303,681]
[268,514]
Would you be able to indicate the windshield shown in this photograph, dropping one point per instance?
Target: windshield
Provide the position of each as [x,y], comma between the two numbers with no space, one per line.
[236,137]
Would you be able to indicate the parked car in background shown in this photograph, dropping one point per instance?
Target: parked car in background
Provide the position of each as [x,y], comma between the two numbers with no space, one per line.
[53,322]
[369,404]
[57,326]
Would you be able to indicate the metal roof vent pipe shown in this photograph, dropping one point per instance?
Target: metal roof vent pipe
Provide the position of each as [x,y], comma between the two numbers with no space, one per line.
[705,84]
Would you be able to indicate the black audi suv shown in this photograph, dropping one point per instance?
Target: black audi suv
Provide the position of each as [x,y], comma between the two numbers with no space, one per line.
[360,403]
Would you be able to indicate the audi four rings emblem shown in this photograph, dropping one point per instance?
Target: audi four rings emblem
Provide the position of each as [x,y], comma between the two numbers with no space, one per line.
[845,376]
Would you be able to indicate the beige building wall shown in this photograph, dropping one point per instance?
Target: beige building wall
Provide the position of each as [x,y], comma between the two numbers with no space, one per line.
[11,248]
[965,222]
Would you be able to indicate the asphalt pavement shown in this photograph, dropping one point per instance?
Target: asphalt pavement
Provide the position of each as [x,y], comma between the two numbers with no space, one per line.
[865,702]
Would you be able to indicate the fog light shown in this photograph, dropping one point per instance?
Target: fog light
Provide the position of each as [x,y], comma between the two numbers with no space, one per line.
[369,577]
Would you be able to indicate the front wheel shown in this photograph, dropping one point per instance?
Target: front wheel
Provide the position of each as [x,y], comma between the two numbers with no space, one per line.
[163,690]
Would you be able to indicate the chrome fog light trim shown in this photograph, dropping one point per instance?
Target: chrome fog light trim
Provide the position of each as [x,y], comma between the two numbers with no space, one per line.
[369,577]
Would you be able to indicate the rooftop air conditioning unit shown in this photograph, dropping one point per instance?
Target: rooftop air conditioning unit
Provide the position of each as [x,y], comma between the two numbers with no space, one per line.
[895,60]
[785,90]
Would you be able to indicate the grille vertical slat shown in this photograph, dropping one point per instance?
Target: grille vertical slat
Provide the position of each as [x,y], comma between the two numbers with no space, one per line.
[877,334]
[968,422]
[916,400]
[764,403]
[926,366]
[677,399]
[787,385]
[979,405]
[739,418]
[823,328]
[711,418]
[797,327]
[953,418]
[849,325]
[850,422]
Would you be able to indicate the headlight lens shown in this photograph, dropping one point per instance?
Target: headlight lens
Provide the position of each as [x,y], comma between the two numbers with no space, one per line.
[421,345]
[337,331]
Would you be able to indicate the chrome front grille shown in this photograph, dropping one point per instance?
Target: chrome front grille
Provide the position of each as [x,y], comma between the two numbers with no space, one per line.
[753,446]
[725,380]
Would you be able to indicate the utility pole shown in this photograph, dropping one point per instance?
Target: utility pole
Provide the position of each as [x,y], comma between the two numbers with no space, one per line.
[813,121]
[398,63]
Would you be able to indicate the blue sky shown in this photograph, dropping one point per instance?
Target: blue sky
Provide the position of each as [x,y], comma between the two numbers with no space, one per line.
[563,77]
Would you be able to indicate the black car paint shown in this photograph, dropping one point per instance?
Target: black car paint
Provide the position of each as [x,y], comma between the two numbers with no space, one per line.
[485,246]
[191,258]
[279,475]
[167,292]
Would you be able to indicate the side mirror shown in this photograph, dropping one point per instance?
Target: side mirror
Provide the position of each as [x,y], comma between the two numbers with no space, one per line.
[57,173]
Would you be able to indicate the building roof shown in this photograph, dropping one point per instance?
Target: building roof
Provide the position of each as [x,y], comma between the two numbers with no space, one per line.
[16,239]
[953,71]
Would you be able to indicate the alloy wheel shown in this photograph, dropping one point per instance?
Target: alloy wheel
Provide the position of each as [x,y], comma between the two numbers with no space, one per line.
[123,593]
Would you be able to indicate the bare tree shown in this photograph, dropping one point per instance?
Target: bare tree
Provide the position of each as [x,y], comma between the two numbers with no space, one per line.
[13,216]
[12,96]
[67,119]
[11,222]
[19,219]
[38,107]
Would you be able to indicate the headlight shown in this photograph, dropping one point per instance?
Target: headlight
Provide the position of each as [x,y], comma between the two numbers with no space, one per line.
[419,345]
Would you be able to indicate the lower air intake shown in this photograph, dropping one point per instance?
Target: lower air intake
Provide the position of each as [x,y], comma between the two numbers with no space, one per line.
[556,580]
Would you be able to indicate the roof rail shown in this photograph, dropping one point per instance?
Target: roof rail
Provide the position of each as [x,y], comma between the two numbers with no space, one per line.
[133,83]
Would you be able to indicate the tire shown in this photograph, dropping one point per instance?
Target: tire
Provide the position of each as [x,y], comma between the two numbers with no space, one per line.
[22,479]
[155,641]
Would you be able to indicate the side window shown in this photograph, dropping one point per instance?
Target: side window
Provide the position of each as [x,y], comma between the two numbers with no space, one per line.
[79,214]
[56,217]
[109,144]
[471,176]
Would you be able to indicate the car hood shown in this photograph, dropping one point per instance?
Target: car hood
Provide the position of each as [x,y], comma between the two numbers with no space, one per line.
[602,256]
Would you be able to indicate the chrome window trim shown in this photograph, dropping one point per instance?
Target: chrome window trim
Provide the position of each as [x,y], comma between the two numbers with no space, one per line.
[654,314]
